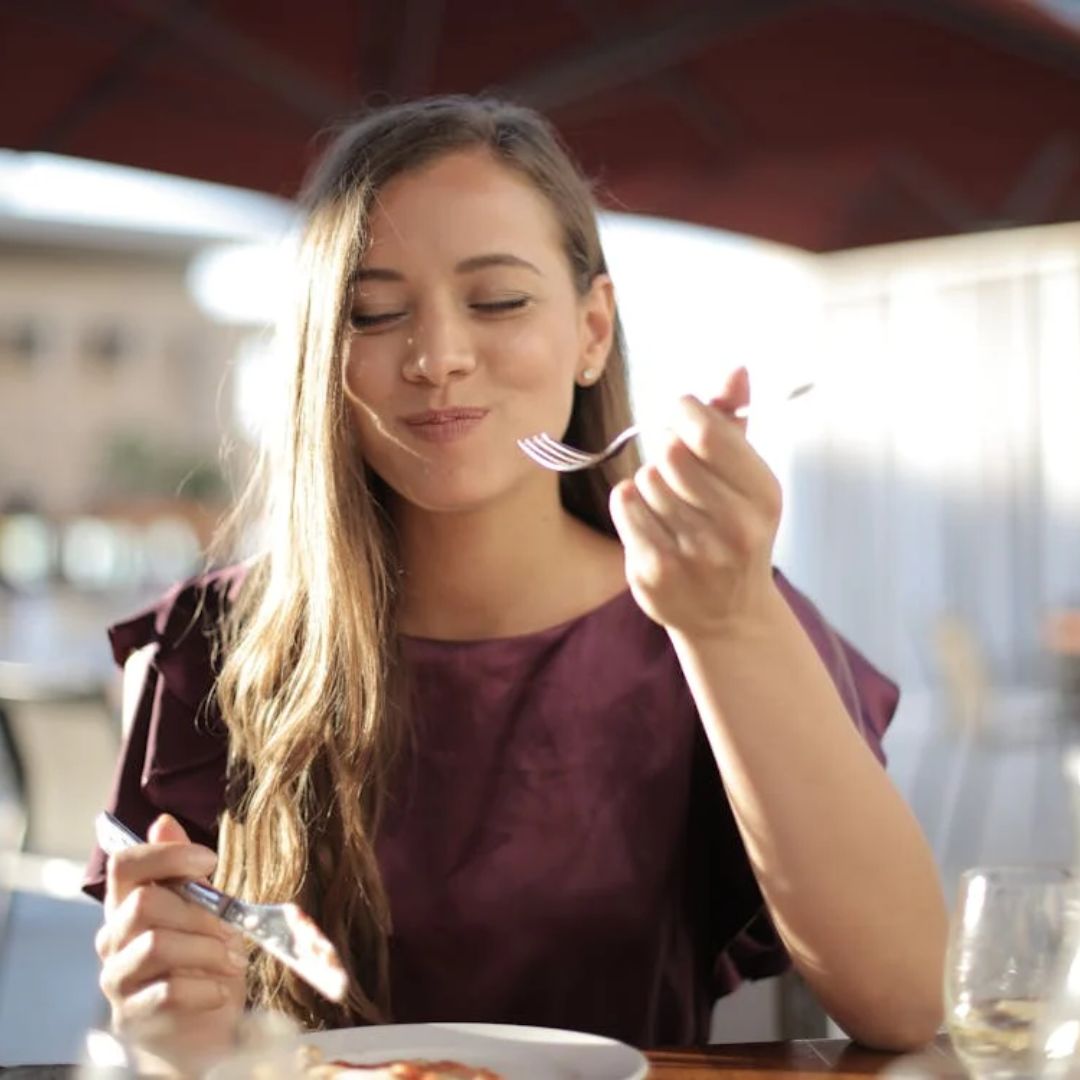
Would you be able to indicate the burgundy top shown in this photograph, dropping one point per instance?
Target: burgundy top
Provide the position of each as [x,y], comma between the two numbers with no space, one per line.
[560,850]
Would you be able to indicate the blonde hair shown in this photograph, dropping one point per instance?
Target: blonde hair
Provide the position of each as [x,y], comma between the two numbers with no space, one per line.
[310,686]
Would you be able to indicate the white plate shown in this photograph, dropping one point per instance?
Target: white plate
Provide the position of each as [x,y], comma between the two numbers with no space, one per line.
[516,1053]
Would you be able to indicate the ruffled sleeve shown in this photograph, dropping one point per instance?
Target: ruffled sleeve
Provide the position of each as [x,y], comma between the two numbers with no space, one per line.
[871,699]
[175,755]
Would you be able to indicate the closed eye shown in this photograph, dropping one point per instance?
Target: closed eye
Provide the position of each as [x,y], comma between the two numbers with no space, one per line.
[500,307]
[360,321]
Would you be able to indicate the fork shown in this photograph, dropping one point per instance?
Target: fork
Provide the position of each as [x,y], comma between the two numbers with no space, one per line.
[283,930]
[552,454]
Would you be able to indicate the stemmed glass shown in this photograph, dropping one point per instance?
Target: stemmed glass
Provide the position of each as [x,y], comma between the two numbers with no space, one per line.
[1005,947]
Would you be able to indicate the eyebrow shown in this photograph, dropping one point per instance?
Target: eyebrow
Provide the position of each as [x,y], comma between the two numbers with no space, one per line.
[466,266]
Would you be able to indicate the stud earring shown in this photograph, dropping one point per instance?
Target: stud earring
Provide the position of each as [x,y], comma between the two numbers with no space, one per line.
[589,375]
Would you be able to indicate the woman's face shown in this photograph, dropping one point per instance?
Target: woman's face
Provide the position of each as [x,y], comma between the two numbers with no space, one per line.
[467,332]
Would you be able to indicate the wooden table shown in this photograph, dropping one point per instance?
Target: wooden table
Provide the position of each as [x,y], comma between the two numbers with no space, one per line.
[804,1057]
[732,1061]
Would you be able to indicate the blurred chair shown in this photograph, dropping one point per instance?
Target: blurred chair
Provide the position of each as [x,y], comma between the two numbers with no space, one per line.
[57,754]
[986,719]
[58,747]
[1061,639]
[13,815]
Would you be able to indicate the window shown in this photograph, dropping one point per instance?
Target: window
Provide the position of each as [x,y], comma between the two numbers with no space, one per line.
[22,340]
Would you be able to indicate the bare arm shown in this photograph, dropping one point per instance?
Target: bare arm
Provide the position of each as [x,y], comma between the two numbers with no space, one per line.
[848,877]
[842,864]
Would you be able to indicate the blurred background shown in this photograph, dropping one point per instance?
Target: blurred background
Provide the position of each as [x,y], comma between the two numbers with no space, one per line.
[882,196]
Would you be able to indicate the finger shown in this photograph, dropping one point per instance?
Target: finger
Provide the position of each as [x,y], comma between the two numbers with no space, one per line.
[154,862]
[157,955]
[718,442]
[691,480]
[734,395]
[694,532]
[153,906]
[651,554]
[165,829]
[178,994]
[637,525]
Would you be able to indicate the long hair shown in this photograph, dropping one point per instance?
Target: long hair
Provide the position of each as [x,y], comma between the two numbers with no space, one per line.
[310,687]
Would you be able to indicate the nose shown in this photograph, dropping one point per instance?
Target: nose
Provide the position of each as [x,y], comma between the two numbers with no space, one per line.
[440,349]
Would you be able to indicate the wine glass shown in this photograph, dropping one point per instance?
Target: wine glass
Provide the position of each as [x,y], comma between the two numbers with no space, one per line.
[1005,944]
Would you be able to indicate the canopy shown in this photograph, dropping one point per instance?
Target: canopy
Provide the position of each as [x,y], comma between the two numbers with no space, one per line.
[820,124]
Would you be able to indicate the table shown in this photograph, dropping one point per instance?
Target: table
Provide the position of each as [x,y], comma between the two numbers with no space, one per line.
[733,1061]
[799,1058]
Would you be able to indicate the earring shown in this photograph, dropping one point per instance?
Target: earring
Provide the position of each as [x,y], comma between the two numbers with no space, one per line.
[589,375]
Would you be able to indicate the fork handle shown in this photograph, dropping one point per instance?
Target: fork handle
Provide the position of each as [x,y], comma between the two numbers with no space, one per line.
[113,836]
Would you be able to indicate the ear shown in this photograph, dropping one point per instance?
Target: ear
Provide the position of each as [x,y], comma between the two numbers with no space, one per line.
[597,329]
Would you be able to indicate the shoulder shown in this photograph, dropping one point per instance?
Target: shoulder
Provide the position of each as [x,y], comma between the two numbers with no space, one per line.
[190,607]
[177,634]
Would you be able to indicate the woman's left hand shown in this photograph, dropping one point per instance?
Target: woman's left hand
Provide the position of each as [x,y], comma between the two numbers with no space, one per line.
[698,522]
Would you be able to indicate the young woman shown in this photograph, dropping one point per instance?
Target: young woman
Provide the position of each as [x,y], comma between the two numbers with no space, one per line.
[529,748]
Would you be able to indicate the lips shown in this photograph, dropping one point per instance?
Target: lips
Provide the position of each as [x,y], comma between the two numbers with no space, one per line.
[438,417]
[444,425]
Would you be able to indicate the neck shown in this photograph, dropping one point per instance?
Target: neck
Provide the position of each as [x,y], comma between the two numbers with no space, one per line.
[501,570]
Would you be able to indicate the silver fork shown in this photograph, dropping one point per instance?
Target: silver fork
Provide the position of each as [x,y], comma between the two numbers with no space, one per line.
[283,930]
[552,454]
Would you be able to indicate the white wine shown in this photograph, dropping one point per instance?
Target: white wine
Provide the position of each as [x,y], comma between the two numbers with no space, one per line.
[995,1037]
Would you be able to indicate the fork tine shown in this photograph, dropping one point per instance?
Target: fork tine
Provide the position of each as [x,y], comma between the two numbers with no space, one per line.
[548,461]
[557,456]
[552,455]
[559,451]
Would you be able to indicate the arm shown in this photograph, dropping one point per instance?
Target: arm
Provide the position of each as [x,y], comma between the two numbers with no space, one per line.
[848,878]
[846,873]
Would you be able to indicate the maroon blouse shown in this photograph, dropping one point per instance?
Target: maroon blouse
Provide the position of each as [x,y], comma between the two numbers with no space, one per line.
[560,850]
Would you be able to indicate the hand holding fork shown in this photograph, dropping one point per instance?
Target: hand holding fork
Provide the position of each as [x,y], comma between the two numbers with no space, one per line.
[173,959]
[698,522]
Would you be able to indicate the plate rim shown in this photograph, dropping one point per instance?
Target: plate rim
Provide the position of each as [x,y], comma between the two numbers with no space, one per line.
[637,1064]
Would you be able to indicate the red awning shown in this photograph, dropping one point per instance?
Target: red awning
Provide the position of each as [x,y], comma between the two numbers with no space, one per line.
[821,124]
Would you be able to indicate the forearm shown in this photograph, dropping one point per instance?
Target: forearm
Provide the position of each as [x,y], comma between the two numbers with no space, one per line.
[842,863]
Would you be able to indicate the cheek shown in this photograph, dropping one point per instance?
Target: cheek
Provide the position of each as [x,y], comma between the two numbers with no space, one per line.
[543,353]
[367,374]
[369,385]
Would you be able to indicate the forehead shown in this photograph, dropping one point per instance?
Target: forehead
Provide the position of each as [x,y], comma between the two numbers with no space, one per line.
[462,203]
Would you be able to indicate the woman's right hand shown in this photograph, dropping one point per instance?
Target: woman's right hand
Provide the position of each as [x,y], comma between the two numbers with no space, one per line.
[173,973]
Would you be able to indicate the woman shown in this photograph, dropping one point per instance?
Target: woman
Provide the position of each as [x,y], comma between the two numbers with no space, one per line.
[432,710]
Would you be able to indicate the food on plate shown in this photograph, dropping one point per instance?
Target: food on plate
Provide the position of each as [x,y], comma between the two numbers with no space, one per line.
[313,1066]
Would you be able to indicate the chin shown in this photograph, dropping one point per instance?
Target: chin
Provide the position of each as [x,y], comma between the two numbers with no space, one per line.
[446,495]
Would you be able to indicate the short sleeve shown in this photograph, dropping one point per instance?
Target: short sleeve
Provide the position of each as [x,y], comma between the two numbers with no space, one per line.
[870,697]
[754,950]
[175,756]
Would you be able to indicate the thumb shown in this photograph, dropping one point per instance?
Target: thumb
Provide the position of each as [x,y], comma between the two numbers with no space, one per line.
[167,830]
[734,395]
